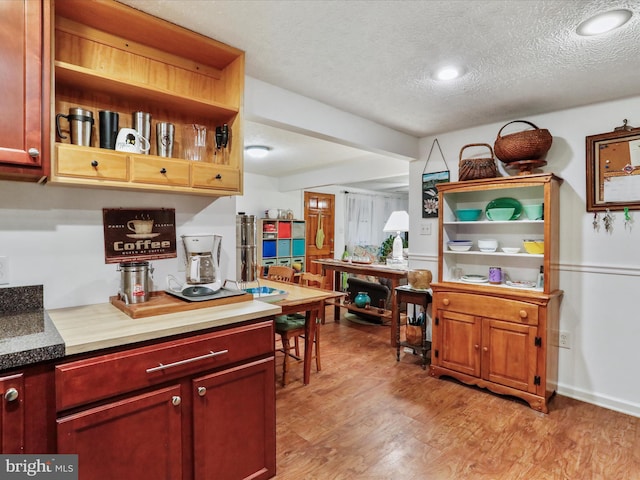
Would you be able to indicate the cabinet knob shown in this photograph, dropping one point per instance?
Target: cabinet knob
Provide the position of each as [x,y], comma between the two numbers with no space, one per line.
[94,163]
[33,152]
[163,170]
[218,177]
[486,349]
[202,391]
[523,314]
[176,400]
[445,301]
[476,346]
[11,395]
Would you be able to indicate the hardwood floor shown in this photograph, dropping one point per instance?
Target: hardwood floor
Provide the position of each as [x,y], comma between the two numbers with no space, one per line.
[366,416]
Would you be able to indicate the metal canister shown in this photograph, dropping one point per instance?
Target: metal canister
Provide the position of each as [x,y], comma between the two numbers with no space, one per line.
[135,282]
[246,256]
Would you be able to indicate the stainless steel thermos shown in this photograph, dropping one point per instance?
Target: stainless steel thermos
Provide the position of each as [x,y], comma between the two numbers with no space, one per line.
[80,126]
[135,282]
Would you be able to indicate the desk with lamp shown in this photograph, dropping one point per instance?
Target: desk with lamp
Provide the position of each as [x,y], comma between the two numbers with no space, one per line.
[394,270]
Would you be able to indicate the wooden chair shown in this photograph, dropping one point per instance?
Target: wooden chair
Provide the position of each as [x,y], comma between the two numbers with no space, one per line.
[281,273]
[293,326]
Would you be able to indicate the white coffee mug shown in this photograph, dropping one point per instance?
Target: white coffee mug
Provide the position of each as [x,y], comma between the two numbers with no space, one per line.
[129,140]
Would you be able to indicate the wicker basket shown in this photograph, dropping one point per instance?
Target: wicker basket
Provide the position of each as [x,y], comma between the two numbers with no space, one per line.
[476,168]
[526,145]
[414,334]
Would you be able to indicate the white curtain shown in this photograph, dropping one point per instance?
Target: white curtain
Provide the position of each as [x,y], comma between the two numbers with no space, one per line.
[366,215]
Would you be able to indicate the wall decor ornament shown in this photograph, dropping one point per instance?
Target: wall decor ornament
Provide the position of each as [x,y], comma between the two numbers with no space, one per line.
[613,170]
[429,182]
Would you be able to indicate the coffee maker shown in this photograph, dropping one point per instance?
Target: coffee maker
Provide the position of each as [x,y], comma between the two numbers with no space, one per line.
[203,267]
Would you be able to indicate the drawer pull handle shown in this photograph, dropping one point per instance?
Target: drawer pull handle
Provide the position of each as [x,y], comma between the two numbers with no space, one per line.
[94,163]
[523,314]
[163,170]
[202,391]
[445,301]
[188,360]
[11,395]
[34,152]
[176,400]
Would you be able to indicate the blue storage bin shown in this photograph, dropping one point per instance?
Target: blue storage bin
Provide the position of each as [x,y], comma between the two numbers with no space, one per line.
[284,248]
[268,248]
[298,247]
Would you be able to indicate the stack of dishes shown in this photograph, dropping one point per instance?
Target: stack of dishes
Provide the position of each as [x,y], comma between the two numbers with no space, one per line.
[460,245]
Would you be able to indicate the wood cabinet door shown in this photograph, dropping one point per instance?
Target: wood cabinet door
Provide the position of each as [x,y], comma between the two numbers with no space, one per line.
[12,419]
[21,76]
[459,337]
[131,439]
[509,354]
[234,423]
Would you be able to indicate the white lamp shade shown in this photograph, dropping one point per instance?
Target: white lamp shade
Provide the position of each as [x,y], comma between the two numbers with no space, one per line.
[398,222]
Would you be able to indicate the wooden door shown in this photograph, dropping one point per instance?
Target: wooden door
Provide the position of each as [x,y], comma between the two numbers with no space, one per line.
[12,414]
[234,423]
[319,209]
[21,73]
[130,439]
[509,354]
[457,339]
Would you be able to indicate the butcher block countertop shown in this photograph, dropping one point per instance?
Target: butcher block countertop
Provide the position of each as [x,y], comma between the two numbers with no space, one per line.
[94,327]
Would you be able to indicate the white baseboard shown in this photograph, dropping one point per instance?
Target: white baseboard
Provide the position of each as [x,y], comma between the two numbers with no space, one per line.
[604,401]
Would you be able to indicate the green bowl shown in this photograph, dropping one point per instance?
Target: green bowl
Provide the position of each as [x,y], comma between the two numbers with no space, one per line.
[468,215]
[500,214]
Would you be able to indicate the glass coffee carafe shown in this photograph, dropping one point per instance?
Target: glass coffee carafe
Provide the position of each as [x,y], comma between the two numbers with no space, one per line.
[202,256]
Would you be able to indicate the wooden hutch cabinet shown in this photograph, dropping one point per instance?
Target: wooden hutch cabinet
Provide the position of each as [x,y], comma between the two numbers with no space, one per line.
[24,75]
[501,336]
[109,56]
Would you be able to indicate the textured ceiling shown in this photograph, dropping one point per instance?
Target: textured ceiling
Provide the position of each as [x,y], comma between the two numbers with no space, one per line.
[375,59]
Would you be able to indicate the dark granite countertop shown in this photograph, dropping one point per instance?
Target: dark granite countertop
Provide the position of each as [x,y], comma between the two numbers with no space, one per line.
[27,334]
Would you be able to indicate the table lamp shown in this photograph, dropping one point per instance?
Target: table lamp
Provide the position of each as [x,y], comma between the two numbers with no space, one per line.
[398,222]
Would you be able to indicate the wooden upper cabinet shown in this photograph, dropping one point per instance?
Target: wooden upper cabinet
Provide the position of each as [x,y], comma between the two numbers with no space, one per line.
[109,56]
[24,66]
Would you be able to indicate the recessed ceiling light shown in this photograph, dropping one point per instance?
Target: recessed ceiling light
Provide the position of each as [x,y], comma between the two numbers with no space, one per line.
[257,151]
[448,73]
[604,22]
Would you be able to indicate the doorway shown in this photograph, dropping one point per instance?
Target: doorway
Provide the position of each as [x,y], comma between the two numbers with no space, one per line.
[319,215]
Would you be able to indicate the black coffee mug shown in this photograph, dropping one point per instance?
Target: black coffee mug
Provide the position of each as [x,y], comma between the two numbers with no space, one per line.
[108,128]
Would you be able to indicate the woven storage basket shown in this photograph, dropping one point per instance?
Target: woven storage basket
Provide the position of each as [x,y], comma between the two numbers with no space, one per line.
[476,168]
[526,145]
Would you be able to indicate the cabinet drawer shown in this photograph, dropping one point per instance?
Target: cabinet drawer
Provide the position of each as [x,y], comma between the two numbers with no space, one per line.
[159,171]
[104,376]
[215,176]
[486,306]
[85,162]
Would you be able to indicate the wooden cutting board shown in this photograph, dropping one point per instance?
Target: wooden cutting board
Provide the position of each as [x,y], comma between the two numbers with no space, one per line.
[161,302]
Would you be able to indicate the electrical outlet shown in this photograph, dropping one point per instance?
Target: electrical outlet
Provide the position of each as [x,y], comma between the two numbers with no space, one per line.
[4,270]
[564,340]
[425,228]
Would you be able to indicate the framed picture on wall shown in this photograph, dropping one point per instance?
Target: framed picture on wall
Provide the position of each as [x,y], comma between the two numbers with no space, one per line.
[429,182]
[430,192]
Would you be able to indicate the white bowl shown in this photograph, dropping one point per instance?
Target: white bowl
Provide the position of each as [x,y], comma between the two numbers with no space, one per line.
[459,248]
[488,245]
[510,249]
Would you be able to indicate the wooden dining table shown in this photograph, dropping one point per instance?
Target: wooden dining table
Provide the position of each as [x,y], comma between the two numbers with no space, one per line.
[309,300]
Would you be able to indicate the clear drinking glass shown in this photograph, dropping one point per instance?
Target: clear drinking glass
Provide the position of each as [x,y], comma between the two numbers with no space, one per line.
[194,142]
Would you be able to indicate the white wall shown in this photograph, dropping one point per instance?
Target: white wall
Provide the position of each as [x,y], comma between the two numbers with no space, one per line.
[599,271]
[53,236]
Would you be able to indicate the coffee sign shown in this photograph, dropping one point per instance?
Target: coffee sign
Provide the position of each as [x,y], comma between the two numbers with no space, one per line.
[133,235]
